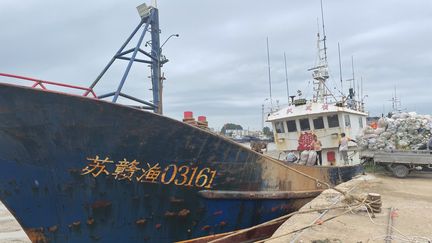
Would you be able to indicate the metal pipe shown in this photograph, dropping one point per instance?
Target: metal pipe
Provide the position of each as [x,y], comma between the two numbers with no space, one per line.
[41,82]
[124,53]
[137,100]
[146,53]
[114,57]
[106,95]
[156,66]
[132,59]
[388,237]
[141,107]
[136,60]
[176,35]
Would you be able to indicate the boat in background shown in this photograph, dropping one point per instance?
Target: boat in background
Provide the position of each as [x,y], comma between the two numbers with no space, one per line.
[325,116]
[76,168]
[249,139]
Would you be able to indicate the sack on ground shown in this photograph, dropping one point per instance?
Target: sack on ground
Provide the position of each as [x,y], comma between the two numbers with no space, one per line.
[312,158]
[304,157]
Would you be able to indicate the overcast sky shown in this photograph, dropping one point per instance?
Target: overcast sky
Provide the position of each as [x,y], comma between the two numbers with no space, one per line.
[218,65]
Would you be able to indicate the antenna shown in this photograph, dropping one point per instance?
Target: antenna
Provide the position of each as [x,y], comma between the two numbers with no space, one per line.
[396,102]
[352,67]
[340,68]
[361,87]
[324,35]
[286,78]
[269,75]
[395,95]
[319,59]
[358,91]
[320,72]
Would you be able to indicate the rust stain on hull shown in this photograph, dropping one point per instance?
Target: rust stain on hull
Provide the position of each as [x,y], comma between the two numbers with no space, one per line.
[36,235]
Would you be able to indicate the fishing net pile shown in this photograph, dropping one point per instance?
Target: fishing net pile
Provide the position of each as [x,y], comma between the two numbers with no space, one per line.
[403,131]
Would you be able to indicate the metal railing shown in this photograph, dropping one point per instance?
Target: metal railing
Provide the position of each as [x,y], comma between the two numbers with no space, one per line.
[43,84]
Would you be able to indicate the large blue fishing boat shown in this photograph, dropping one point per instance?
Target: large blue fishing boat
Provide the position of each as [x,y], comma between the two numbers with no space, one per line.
[76,168]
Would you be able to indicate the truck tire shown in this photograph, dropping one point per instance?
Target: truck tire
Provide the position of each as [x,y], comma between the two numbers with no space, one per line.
[400,171]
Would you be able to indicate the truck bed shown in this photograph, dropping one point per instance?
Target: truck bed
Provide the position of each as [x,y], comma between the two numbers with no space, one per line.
[415,157]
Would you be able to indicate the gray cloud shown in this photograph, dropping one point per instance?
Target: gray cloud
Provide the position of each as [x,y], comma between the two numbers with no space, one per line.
[218,66]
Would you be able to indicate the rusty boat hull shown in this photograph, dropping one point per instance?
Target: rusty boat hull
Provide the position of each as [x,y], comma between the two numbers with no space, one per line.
[77,169]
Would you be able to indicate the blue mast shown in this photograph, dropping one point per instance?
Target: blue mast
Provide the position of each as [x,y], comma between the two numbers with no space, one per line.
[149,23]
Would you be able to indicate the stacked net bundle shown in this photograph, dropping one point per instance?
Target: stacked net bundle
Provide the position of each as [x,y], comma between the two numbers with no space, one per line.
[403,131]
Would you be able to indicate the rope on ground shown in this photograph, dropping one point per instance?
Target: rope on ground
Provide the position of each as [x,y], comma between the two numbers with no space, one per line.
[402,239]
[337,200]
[276,220]
[284,217]
[311,225]
[405,237]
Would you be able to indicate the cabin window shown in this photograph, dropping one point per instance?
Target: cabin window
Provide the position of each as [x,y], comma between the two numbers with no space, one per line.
[292,126]
[333,121]
[347,121]
[360,122]
[279,127]
[304,124]
[318,123]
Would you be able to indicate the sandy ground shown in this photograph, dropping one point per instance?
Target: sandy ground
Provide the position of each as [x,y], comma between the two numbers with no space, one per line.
[411,197]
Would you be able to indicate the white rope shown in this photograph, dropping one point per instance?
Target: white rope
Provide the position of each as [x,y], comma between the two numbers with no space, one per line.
[404,237]
[336,200]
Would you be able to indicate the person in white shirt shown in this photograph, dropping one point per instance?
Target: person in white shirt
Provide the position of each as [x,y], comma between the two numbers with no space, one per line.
[316,145]
[343,147]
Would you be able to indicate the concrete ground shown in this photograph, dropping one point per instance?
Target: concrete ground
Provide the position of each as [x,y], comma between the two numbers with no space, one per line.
[411,197]
[10,230]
